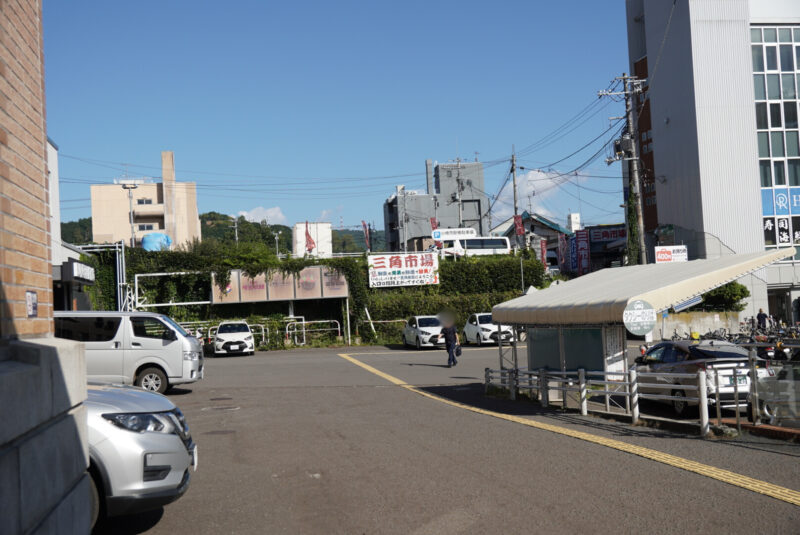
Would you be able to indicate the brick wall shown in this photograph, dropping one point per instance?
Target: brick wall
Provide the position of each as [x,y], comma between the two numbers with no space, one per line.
[24,210]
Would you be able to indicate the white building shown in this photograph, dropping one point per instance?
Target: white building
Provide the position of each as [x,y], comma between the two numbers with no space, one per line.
[719,132]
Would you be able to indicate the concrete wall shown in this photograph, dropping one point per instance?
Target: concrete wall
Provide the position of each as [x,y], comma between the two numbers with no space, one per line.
[44,487]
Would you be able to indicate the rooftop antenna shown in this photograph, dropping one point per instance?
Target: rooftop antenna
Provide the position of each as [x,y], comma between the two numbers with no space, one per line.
[476,155]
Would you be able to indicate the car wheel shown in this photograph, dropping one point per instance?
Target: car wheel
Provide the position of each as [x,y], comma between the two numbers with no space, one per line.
[94,502]
[479,339]
[466,338]
[680,406]
[419,344]
[153,380]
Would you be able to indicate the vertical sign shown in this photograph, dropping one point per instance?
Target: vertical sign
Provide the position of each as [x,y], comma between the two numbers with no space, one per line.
[543,245]
[562,252]
[366,233]
[573,255]
[582,246]
[520,230]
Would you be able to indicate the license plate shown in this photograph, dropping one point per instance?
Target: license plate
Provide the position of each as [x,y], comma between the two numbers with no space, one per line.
[741,379]
[234,347]
[194,458]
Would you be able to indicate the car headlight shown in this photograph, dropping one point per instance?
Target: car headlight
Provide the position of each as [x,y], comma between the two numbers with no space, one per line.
[484,329]
[191,355]
[424,331]
[219,339]
[141,422]
[248,338]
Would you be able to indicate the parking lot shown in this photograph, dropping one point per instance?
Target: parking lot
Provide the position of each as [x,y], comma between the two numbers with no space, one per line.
[308,441]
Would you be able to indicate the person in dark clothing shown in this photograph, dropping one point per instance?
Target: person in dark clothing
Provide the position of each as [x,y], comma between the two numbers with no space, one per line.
[450,342]
[762,319]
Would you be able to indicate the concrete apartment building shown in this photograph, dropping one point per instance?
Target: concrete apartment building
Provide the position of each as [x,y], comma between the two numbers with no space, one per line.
[168,207]
[44,487]
[455,197]
[718,132]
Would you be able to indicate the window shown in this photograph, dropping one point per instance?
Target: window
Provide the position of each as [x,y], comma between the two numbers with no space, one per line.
[790,114]
[796,35]
[777,145]
[412,322]
[780,177]
[755,35]
[787,61]
[670,356]
[772,58]
[655,355]
[796,226]
[763,145]
[785,35]
[485,319]
[150,328]
[794,175]
[429,322]
[769,231]
[758,58]
[787,83]
[148,226]
[761,116]
[775,115]
[233,328]
[770,35]
[773,87]
[766,173]
[758,87]
[144,201]
[792,147]
[87,328]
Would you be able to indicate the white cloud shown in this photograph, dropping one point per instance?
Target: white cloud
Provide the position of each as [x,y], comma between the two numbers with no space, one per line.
[273,216]
[325,215]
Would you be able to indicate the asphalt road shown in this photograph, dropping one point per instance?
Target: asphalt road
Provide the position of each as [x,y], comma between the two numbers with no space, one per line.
[306,441]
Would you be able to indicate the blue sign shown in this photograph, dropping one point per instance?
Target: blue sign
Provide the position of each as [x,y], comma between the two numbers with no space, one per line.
[437,234]
[767,204]
[782,201]
[794,197]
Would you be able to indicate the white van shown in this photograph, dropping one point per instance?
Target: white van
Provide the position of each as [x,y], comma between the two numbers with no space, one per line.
[476,246]
[141,348]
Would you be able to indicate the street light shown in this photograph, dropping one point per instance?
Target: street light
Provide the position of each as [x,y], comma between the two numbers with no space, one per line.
[277,252]
[130,185]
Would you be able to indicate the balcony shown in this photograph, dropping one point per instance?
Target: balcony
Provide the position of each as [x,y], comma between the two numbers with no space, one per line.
[141,210]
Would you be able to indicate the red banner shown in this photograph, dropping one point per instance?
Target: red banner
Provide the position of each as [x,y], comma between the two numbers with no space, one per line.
[366,233]
[310,244]
[434,226]
[518,225]
[543,245]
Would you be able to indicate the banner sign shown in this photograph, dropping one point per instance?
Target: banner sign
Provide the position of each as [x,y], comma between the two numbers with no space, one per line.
[453,233]
[255,289]
[562,252]
[608,234]
[520,230]
[671,253]
[308,284]
[281,286]
[582,247]
[573,254]
[543,245]
[334,284]
[411,269]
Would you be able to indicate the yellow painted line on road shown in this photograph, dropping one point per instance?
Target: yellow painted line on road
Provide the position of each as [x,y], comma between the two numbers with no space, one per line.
[732,478]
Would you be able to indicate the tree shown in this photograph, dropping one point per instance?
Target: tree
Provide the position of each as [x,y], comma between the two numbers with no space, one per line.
[77,232]
[727,298]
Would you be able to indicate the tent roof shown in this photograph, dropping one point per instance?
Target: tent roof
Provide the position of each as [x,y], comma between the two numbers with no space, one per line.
[601,297]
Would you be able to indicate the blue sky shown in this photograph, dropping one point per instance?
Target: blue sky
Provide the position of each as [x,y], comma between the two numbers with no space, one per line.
[270,105]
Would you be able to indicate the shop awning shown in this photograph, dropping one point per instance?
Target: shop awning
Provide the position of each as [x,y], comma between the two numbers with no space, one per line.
[601,297]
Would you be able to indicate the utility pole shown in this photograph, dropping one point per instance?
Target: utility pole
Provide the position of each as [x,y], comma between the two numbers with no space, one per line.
[235,228]
[627,148]
[514,185]
[130,185]
[458,193]
[277,250]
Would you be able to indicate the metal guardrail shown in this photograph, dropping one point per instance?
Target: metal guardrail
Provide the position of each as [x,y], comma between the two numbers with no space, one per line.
[545,381]
[292,331]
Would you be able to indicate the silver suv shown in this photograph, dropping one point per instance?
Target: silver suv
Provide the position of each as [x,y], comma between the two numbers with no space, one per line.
[140,449]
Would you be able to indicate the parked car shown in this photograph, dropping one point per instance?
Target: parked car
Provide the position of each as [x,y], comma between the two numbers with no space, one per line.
[233,337]
[779,394]
[717,358]
[423,331]
[141,348]
[480,329]
[140,449]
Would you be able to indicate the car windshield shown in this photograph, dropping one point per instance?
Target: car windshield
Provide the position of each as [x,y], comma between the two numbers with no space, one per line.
[429,322]
[171,322]
[485,319]
[233,328]
[708,352]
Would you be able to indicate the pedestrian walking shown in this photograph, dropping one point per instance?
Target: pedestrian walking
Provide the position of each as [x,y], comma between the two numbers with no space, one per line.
[762,319]
[450,341]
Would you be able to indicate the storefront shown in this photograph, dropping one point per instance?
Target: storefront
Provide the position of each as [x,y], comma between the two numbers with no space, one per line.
[70,281]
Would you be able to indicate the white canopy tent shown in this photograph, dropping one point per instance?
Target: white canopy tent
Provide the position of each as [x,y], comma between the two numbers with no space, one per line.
[601,297]
[579,323]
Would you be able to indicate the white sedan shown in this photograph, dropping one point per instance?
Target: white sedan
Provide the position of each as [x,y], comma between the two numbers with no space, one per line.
[480,330]
[423,331]
[233,337]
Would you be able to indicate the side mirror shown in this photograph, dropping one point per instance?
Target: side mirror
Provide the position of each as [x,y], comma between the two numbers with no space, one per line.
[170,335]
[639,360]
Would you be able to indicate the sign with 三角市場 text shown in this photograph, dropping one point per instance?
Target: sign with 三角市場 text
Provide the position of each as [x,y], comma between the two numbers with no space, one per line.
[403,269]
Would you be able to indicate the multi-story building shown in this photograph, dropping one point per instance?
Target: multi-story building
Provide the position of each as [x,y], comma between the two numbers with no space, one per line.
[455,198]
[168,207]
[718,132]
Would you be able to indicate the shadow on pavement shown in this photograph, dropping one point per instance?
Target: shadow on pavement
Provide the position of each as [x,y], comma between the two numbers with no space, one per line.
[428,365]
[129,524]
[177,391]
[472,394]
